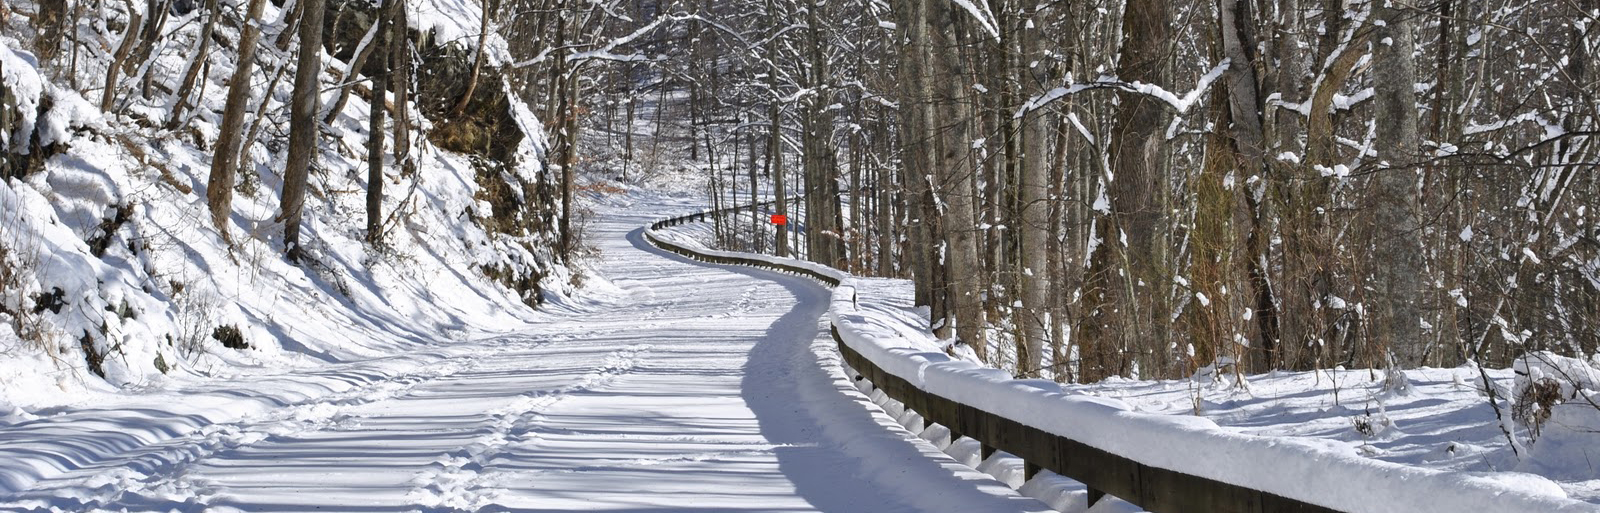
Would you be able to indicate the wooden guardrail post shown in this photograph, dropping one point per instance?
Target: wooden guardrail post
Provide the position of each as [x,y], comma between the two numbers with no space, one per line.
[1095,496]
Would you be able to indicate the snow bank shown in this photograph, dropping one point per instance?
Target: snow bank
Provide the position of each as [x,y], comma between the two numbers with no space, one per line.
[1568,441]
[1323,472]
[64,110]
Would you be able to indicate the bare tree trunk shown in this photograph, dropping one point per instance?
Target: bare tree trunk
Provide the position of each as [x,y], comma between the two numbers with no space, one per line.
[224,165]
[885,212]
[919,145]
[156,13]
[1397,252]
[757,236]
[775,138]
[1034,196]
[627,142]
[190,77]
[477,62]
[368,46]
[1061,360]
[956,172]
[824,222]
[1131,263]
[775,163]
[1307,255]
[1284,128]
[375,115]
[291,24]
[858,206]
[130,36]
[303,127]
[1237,263]
[569,161]
[400,75]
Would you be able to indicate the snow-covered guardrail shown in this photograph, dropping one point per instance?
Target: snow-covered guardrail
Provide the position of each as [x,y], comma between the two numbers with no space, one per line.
[1163,463]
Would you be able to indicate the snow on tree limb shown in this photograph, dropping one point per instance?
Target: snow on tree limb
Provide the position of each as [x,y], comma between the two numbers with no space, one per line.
[980,11]
[604,51]
[1181,105]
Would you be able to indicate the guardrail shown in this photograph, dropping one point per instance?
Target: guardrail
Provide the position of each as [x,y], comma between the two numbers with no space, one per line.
[729,259]
[1151,487]
[701,216]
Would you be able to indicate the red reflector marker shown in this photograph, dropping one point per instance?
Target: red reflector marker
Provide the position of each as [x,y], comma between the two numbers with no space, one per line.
[780,219]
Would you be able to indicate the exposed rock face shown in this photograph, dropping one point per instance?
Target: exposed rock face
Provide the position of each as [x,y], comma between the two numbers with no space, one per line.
[510,170]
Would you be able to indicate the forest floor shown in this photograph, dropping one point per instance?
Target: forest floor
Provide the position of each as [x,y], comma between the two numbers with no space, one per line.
[671,386]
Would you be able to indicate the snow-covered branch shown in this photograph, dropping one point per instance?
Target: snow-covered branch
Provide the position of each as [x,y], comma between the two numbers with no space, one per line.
[1180,104]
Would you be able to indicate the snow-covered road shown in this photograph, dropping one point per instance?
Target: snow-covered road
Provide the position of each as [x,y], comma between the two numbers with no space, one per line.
[682,386]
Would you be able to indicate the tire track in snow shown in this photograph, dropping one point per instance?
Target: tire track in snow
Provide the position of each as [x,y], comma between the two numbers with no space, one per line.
[463,479]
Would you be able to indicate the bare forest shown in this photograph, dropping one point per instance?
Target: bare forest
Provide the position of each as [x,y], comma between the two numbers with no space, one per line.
[1086,189]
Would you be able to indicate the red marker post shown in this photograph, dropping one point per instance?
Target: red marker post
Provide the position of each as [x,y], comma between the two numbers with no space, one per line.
[780,219]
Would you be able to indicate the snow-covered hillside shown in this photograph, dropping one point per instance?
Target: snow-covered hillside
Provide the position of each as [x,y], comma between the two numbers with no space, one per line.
[115,279]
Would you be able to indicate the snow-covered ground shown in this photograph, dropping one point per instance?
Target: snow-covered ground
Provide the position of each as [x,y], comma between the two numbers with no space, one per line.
[1443,421]
[678,386]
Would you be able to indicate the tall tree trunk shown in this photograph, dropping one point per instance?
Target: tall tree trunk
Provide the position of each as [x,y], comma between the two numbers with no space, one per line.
[956,171]
[1131,261]
[1307,263]
[757,237]
[198,62]
[999,244]
[886,215]
[291,24]
[1036,203]
[155,19]
[917,136]
[1242,273]
[1397,252]
[1061,365]
[224,165]
[130,38]
[775,165]
[477,61]
[569,158]
[823,225]
[303,127]
[368,46]
[400,76]
[775,135]
[1284,129]
[375,115]
[627,142]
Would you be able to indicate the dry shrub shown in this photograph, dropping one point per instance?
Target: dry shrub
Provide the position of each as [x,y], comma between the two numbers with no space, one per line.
[601,188]
[19,266]
[462,136]
[1533,405]
[195,316]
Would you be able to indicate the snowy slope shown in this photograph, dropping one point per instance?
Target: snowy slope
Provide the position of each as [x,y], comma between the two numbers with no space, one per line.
[123,285]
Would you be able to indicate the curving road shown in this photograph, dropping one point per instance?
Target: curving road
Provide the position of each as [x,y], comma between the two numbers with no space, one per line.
[684,387]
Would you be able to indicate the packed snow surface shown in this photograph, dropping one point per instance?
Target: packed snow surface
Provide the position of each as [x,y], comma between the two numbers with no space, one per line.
[678,386]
